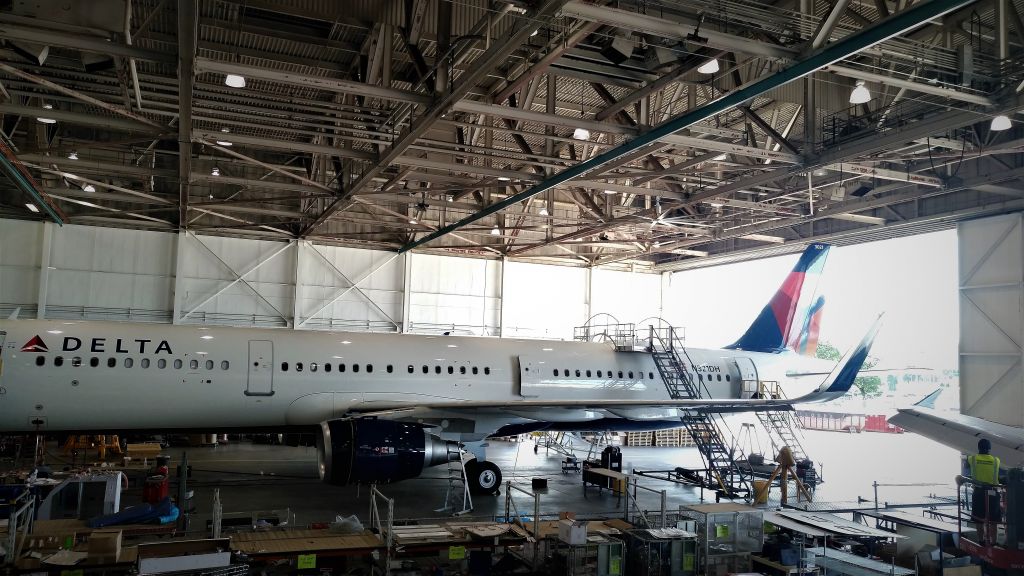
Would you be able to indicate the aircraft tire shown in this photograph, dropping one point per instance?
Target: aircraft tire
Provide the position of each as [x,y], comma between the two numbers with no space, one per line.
[484,477]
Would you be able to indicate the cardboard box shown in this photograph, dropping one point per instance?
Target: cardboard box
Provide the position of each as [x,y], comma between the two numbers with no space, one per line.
[572,532]
[105,547]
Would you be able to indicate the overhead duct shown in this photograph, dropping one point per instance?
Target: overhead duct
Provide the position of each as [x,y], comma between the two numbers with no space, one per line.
[618,49]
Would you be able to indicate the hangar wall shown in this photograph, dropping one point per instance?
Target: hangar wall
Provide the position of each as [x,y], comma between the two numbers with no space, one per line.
[991,279]
[85,272]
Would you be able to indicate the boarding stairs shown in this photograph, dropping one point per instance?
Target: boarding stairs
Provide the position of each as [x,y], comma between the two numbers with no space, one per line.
[705,428]
[458,484]
[782,425]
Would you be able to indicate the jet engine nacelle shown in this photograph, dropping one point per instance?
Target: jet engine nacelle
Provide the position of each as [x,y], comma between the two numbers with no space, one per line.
[376,451]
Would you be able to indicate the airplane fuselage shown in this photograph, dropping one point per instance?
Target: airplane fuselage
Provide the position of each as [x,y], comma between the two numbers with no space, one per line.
[79,376]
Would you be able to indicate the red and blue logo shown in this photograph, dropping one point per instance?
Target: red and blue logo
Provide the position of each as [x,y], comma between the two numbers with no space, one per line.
[36,344]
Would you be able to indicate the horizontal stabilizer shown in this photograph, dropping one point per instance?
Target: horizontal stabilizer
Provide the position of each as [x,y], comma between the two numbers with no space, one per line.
[963,432]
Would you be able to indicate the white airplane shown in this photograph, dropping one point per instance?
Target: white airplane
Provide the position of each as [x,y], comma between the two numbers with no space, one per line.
[385,406]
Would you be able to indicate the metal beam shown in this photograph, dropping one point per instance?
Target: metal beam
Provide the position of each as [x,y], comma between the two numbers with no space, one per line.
[906,20]
[910,85]
[482,66]
[544,63]
[825,30]
[769,130]
[80,118]
[188,24]
[86,41]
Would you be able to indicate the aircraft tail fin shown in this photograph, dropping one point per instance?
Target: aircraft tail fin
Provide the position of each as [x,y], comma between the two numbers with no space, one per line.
[14,314]
[929,400]
[773,328]
[841,379]
[806,341]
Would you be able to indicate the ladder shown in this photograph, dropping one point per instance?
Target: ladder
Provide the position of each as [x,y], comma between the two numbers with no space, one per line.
[457,482]
[782,425]
[704,428]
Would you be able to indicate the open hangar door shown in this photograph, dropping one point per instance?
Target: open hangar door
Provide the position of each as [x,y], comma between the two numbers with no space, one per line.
[991,281]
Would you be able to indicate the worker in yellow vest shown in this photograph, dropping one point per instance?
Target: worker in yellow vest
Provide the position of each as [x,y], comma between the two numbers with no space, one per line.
[985,509]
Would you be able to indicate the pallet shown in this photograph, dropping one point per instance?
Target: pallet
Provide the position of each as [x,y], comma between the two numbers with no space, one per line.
[639,438]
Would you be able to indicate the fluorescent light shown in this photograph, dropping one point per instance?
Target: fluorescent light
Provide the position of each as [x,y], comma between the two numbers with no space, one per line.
[453,345]
[206,337]
[223,143]
[32,207]
[543,211]
[1000,123]
[46,120]
[345,342]
[547,349]
[235,81]
[657,244]
[47,106]
[89,188]
[413,221]
[609,191]
[534,33]
[581,134]
[720,157]
[716,204]
[820,172]
[709,67]
[503,178]
[495,231]
[73,155]
[225,130]
[215,171]
[54,331]
[860,94]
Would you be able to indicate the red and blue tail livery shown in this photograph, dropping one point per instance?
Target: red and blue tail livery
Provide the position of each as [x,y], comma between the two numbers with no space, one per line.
[773,329]
[806,341]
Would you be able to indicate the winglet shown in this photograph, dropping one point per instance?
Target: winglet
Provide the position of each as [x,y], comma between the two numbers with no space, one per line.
[841,379]
[929,400]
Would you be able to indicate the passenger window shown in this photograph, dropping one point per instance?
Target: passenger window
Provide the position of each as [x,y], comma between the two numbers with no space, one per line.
[128,362]
[728,378]
[161,363]
[620,373]
[369,368]
[598,373]
[94,362]
[284,366]
[437,369]
[40,360]
[462,369]
[313,366]
[224,364]
[487,370]
[474,369]
[355,367]
[411,368]
[588,373]
[298,366]
[341,367]
[76,361]
[209,364]
[111,362]
[178,363]
[565,372]
[700,377]
[58,361]
[650,375]
[425,369]
[556,372]
[390,369]
[327,366]
[193,364]
[144,363]
[630,373]
[719,377]
[451,369]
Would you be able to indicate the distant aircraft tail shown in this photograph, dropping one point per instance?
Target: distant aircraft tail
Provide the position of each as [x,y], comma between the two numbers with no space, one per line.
[806,341]
[773,329]
[841,379]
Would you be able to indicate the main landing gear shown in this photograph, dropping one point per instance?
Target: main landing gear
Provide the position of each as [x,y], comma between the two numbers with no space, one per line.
[484,477]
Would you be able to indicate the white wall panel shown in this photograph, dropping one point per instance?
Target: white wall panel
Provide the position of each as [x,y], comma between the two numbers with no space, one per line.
[210,265]
[109,273]
[629,297]
[450,293]
[991,253]
[327,272]
[544,301]
[20,247]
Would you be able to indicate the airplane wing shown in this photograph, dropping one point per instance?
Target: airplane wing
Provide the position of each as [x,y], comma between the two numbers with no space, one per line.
[838,383]
[962,432]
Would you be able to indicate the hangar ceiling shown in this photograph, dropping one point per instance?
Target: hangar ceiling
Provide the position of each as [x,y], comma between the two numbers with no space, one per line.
[512,129]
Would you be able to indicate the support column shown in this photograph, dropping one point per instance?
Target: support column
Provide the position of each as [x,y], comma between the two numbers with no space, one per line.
[44,270]
[407,293]
[1003,29]
[589,295]
[501,298]
[179,266]
[666,285]
[300,251]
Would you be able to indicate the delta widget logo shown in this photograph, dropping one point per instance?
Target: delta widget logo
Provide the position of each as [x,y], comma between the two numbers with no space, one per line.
[36,344]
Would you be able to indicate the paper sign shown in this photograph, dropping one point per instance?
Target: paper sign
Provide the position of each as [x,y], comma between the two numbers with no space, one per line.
[456,552]
[616,566]
[721,530]
[307,561]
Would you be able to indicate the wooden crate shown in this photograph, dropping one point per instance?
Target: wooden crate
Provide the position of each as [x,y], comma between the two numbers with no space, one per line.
[667,438]
[639,438]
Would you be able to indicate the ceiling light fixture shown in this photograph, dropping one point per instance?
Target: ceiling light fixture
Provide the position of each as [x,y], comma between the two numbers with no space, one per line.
[720,157]
[495,231]
[215,171]
[225,130]
[860,94]
[73,155]
[235,81]
[1000,123]
[581,134]
[543,211]
[223,143]
[609,191]
[32,207]
[820,172]
[46,120]
[709,67]
[413,221]
[503,178]
[89,188]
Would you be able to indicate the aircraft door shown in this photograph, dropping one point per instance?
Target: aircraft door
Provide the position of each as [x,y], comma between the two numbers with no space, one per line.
[261,368]
[748,376]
